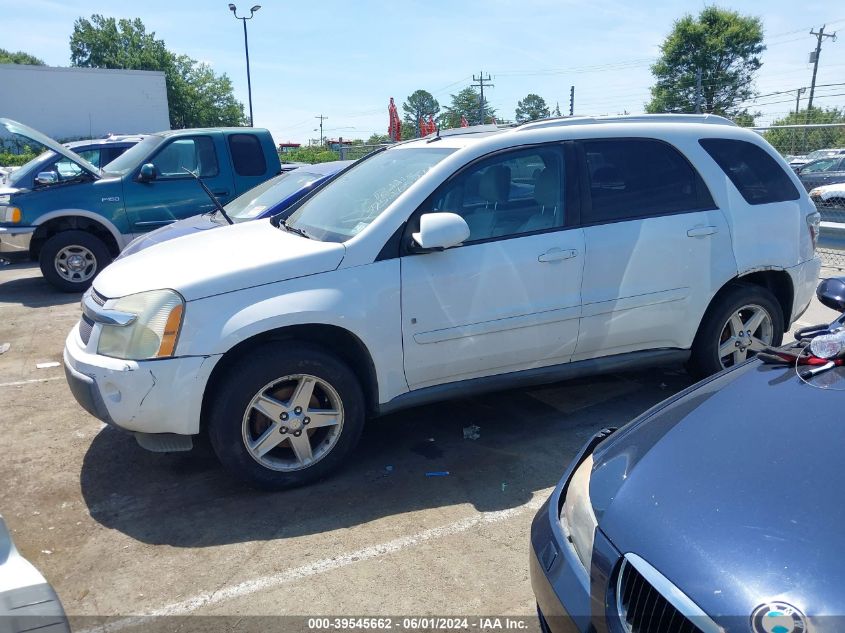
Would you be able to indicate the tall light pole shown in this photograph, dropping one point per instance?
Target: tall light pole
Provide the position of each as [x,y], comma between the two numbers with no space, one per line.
[252,11]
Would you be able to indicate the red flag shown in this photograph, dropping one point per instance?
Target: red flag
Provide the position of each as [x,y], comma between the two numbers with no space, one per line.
[432,126]
[423,127]
[394,128]
[464,122]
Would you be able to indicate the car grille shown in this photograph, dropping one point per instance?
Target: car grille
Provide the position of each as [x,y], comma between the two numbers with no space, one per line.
[86,325]
[643,609]
[99,299]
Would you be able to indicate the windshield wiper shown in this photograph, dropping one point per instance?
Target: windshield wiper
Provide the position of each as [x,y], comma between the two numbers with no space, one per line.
[295,229]
[210,195]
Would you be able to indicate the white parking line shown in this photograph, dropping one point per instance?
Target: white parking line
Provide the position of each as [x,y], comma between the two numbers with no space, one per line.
[293,574]
[29,382]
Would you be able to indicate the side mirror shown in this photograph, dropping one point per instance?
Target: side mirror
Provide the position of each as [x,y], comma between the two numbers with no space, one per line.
[47,178]
[439,231]
[831,293]
[147,173]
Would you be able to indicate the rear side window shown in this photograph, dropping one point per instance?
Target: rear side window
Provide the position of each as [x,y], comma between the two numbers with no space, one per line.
[756,175]
[247,156]
[636,178]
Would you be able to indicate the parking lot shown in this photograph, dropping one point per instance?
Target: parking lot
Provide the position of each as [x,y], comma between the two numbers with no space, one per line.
[120,531]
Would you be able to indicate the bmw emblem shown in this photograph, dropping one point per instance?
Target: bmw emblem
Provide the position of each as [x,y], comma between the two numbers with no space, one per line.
[777,617]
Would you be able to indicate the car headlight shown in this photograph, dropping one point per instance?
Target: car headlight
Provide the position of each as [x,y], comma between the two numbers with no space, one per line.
[153,332]
[10,214]
[577,515]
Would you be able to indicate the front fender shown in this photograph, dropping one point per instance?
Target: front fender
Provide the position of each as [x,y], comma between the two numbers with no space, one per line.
[121,239]
[364,301]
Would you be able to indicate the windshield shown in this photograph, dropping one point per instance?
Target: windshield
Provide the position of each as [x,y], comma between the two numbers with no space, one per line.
[350,202]
[16,176]
[268,194]
[132,157]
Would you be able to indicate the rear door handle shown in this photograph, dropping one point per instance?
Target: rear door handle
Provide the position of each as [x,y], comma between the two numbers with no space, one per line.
[556,255]
[701,231]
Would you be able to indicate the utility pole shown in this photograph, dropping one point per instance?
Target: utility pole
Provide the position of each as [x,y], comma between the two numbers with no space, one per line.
[481,79]
[571,100]
[698,91]
[798,94]
[814,57]
[322,118]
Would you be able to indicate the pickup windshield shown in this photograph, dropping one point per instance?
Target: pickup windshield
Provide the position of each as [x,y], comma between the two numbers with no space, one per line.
[132,157]
[348,204]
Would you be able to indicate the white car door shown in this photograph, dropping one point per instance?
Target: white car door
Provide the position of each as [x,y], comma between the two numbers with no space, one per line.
[656,248]
[509,297]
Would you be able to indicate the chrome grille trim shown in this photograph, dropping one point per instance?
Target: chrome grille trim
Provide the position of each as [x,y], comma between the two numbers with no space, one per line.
[99,299]
[654,594]
[86,326]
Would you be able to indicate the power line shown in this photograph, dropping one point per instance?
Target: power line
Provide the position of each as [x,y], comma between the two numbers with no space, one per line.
[815,59]
[481,79]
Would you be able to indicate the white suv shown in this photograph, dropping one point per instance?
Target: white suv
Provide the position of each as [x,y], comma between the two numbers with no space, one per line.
[447,266]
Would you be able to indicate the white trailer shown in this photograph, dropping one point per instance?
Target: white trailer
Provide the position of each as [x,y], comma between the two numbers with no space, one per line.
[81,103]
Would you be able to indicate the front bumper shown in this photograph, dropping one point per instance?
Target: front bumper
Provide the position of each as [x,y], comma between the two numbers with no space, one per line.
[156,396]
[15,239]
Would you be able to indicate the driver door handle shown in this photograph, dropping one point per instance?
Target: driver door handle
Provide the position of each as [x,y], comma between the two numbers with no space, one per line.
[557,254]
[702,231]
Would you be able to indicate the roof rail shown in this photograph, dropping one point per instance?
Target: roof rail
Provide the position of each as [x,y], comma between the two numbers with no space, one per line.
[712,119]
[456,131]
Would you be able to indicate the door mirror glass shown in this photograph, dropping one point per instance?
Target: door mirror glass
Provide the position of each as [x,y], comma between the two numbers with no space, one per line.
[439,231]
[831,293]
[47,178]
[147,173]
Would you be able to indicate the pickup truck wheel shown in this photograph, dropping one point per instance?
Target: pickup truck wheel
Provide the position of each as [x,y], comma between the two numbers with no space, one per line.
[285,415]
[71,259]
[741,322]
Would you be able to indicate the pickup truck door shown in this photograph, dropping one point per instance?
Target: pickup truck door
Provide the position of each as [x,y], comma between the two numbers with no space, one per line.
[173,194]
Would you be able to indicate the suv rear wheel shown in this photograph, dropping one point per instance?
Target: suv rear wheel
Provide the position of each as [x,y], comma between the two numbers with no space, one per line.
[740,322]
[285,415]
[70,260]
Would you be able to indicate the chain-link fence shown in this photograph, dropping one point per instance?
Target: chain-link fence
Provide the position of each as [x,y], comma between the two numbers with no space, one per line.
[831,246]
[354,152]
[803,143]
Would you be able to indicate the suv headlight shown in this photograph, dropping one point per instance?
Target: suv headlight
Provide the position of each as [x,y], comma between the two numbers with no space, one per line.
[153,332]
[577,515]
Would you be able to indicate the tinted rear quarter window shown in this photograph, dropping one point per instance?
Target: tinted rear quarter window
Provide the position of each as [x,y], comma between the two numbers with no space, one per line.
[757,176]
[636,178]
[247,156]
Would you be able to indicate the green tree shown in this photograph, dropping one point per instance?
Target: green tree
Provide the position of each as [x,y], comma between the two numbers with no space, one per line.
[466,103]
[420,104]
[801,141]
[744,119]
[8,57]
[725,46]
[378,139]
[532,108]
[196,96]
[557,109]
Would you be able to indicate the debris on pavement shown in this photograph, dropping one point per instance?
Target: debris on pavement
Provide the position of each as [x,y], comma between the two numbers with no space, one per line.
[472,432]
[4,347]
[437,473]
[46,365]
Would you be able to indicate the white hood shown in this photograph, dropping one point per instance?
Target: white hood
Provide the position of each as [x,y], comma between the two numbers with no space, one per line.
[825,192]
[224,260]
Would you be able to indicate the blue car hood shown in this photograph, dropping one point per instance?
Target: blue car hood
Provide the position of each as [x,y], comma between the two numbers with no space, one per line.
[177,229]
[734,491]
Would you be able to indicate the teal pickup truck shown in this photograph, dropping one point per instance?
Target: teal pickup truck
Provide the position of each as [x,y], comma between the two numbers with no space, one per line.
[74,223]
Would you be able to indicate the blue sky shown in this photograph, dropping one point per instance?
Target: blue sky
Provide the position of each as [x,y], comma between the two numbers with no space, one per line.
[344,60]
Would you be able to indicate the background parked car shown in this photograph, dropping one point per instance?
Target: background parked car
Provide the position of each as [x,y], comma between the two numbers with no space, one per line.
[265,200]
[74,228]
[27,601]
[695,517]
[98,152]
[823,171]
[797,161]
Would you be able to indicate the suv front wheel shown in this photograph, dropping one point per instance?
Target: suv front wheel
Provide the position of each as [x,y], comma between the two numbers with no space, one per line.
[286,414]
[742,321]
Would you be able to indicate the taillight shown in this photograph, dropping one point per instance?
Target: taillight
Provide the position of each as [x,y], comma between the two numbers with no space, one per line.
[813,222]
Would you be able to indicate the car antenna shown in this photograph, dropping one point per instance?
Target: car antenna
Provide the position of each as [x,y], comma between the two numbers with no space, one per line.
[437,135]
[210,195]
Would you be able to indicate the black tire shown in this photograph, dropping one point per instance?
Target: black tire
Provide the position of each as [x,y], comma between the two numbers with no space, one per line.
[704,359]
[246,377]
[84,242]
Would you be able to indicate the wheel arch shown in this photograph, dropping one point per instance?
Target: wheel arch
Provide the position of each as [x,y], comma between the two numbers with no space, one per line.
[776,281]
[75,219]
[334,339]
